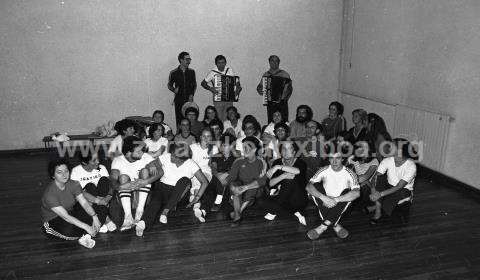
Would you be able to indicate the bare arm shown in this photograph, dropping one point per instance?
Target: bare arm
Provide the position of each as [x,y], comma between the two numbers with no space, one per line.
[114,178]
[370,172]
[203,185]
[62,212]
[350,196]
[205,85]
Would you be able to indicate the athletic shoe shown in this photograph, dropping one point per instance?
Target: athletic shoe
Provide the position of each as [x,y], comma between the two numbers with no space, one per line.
[103,229]
[301,218]
[199,214]
[111,226]
[163,219]
[139,228]
[127,224]
[86,241]
[270,217]
[340,231]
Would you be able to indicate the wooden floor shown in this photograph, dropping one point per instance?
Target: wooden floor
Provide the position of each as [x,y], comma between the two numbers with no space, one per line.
[442,241]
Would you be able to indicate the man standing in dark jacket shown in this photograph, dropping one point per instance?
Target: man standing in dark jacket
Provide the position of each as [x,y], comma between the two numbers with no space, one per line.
[182,83]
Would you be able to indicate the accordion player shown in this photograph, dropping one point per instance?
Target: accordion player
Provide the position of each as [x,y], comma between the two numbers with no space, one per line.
[226,88]
[272,88]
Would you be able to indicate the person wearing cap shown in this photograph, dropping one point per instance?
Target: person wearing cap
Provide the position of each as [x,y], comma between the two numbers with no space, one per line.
[182,83]
[219,69]
[332,189]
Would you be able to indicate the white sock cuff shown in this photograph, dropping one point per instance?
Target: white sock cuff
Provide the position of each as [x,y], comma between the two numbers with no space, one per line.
[218,199]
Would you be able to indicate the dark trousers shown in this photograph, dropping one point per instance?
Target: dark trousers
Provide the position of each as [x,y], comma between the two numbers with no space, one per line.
[290,199]
[330,214]
[272,107]
[163,196]
[178,111]
[390,202]
[102,189]
[214,188]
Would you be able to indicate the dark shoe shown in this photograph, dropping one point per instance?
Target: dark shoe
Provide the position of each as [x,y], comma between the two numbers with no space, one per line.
[374,221]
[215,208]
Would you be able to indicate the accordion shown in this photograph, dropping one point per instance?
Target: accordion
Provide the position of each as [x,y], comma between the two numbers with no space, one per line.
[226,88]
[272,88]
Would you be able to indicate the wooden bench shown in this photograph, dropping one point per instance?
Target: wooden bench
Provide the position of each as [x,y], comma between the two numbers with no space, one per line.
[92,138]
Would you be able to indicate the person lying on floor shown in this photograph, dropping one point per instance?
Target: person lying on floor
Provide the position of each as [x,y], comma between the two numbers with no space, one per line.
[133,171]
[287,194]
[332,188]
[66,214]
[247,176]
[398,190]
[97,188]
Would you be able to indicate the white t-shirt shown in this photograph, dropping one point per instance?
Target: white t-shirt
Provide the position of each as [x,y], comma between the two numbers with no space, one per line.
[407,172]
[335,182]
[84,177]
[172,173]
[215,72]
[155,146]
[116,145]
[202,158]
[131,169]
[237,129]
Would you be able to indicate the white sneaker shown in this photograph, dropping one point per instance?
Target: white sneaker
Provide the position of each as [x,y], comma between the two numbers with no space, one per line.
[103,229]
[86,241]
[270,217]
[199,214]
[127,224]
[139,228]
[301,218]
[163,219]
[111,226]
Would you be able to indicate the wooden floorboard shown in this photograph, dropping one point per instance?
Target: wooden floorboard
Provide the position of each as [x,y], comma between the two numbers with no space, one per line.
[442,241]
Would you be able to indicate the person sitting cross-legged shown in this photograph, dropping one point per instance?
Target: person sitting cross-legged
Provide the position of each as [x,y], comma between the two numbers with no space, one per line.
[332,188]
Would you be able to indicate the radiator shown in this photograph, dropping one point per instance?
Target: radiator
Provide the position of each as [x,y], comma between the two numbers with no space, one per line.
[429,131]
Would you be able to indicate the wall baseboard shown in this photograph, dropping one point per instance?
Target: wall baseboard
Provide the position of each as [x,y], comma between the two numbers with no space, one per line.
[447,181]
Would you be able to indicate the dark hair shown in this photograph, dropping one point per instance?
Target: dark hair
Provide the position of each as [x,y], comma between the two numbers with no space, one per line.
[406,148]
[378,127]
[210,107]
[282,125]
[191,109]
[158,112]
[319,126]
[154,128]
[180,150]
[218,123]
[251,119]
[296,148]
[309,111]
[86,157]
[273,57]
[53,164]
[182,55]
[233,108]
[123,125]
[130,143]
[254,140]
[228,137]
[218,58]
[337,105]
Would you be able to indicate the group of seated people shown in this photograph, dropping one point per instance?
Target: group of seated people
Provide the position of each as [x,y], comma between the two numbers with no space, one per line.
[233,164]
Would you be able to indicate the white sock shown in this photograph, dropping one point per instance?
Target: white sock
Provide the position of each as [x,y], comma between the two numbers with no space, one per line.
[270,217]
[126,205]
[218,199]
[199,214]
[142,199]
